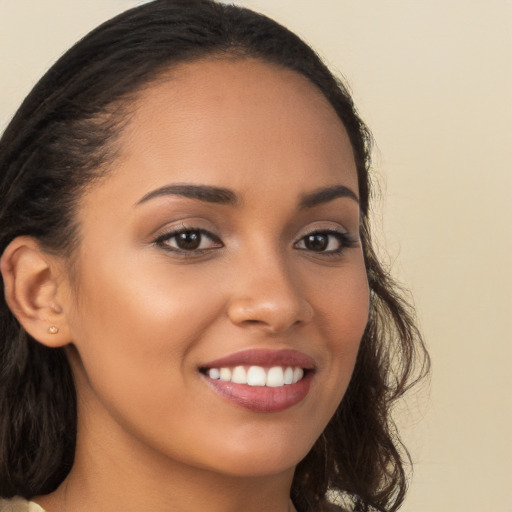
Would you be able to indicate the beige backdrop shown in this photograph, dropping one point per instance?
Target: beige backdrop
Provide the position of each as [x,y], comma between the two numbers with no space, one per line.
[433,78]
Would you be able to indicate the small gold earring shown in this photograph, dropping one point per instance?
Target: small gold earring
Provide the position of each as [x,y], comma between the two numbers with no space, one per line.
[53,329]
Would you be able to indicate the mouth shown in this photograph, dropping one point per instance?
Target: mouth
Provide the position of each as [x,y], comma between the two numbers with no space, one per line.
[274,377]
[261,380]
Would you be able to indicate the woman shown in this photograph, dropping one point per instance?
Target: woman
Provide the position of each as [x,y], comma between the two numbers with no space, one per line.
[194,317]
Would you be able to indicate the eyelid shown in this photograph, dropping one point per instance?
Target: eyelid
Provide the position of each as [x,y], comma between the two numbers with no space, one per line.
[324,228]
[182,223]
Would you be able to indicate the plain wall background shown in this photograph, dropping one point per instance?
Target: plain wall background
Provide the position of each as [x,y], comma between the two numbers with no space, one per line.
[433,79]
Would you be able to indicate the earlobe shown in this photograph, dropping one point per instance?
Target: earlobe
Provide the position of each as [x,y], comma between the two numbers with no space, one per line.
[31,283]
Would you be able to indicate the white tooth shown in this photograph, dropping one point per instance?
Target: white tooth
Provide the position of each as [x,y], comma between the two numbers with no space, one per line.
[239,376]
[225,374]
[275,377]
[256,376]
[214,373]
[298,373]
[288,375]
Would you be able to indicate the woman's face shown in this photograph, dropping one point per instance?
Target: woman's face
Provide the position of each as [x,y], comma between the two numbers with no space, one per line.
[223,246]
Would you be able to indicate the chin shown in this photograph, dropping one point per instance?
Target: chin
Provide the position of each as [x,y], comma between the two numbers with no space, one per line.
[266,457]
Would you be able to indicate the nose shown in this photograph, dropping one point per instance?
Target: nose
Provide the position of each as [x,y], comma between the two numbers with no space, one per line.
[268,295]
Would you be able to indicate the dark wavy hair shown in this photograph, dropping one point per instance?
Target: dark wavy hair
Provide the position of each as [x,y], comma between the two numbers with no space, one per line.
[63,138]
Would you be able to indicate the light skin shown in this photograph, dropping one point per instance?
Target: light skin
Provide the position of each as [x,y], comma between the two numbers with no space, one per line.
[278,265]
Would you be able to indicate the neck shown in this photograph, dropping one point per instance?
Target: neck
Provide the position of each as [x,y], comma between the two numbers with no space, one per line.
[105,492]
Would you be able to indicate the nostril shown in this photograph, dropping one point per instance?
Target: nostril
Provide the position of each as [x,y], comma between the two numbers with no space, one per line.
[252,322]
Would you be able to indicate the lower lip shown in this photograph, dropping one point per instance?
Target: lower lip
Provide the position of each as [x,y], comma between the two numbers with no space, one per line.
[263,398]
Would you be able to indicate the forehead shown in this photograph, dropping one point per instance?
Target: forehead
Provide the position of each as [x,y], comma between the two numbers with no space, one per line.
[237,123]
[230,85]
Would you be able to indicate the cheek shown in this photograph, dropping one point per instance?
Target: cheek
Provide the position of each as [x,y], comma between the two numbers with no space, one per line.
[143,301]
[135,325]
[343,305]
[343,309]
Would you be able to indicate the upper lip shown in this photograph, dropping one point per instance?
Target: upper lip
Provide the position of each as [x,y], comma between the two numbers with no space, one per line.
[264,357]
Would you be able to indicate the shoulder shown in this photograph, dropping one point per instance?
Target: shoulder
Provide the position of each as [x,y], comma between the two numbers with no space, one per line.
[18,504]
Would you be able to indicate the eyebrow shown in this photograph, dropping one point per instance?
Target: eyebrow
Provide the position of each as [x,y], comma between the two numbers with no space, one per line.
[324,195]
[220,195]
[201,192]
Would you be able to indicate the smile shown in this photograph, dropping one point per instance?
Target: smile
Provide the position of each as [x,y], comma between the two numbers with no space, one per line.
[274,377]
[261,380]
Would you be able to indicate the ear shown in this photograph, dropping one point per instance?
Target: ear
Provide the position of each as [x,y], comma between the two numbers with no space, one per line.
[31,281]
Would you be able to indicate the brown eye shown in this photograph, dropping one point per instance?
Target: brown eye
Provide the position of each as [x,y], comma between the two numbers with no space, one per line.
[316,242]
[325,242]
[189,240]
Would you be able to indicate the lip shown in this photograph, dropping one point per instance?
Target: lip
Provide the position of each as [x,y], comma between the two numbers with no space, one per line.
[265,358]
[263,399]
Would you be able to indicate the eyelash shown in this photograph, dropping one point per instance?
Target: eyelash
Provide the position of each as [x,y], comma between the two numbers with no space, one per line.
[344,241]
[164,239]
